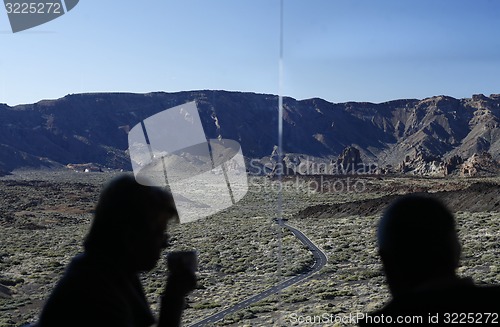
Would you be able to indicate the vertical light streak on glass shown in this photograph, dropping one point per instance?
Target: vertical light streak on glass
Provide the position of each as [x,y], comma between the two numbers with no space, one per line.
[280,160]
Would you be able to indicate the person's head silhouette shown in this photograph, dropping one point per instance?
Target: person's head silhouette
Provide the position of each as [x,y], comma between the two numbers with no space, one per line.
[418,244]
[101,287]
[130,223]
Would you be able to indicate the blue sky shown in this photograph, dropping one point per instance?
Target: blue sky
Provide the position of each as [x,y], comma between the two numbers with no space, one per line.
[339,50]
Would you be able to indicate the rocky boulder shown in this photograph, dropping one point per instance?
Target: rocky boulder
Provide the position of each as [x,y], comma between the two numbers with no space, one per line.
[349,160]
[480,165]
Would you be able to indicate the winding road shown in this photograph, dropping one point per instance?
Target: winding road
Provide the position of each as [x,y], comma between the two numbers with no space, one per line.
[320,260]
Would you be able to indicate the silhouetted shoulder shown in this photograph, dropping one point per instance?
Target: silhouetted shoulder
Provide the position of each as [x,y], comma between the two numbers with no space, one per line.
[93,292]
[445,303]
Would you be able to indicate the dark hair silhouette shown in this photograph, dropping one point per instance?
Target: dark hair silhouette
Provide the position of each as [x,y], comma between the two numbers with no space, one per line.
[123,208]
[417,241]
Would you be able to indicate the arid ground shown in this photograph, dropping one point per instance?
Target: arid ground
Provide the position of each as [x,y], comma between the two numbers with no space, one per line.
[45,215]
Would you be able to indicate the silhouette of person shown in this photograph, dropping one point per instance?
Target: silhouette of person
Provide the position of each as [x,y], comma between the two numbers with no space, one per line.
[101,286]
[420,252]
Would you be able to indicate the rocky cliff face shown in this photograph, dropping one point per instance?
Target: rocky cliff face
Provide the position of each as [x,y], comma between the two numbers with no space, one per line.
[428,136]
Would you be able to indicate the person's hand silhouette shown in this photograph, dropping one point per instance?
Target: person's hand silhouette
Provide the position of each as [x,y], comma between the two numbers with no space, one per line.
[182,266]
[180,284]
[181,281]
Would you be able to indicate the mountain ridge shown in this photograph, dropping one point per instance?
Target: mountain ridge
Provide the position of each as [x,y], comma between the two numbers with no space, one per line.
[397,135]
